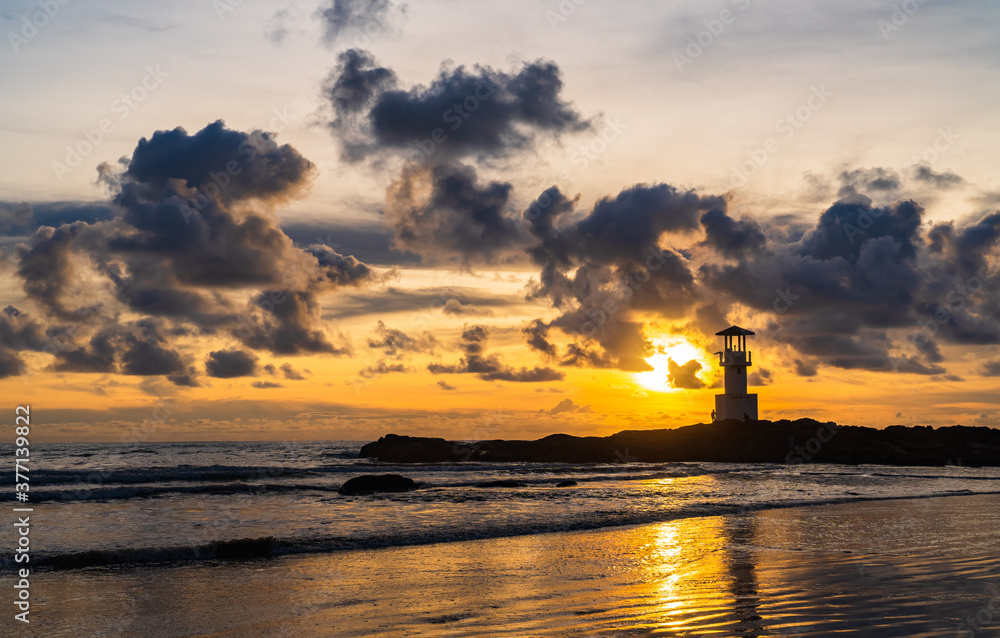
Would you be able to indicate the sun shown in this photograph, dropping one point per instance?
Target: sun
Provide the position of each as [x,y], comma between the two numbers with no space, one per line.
[677,348]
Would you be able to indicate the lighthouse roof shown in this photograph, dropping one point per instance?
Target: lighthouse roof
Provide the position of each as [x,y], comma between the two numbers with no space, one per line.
[733,331]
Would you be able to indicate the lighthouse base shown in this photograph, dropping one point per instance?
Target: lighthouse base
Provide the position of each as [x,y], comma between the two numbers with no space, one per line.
[736,406]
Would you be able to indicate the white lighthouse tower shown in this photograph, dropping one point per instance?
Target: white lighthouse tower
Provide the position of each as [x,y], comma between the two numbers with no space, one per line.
[735,359]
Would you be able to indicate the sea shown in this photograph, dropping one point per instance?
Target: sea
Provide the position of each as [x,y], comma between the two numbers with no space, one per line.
[165,503]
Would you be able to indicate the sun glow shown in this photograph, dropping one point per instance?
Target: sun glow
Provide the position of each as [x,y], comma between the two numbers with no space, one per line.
[677,348]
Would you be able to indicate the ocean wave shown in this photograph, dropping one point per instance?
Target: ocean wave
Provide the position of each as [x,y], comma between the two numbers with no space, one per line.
[272,547]
[120,493]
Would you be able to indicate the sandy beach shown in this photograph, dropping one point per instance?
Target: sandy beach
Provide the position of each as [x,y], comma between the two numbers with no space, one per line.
[910,567]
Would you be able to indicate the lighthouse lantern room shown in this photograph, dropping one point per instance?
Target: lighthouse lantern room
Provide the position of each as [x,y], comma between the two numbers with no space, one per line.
[735,359]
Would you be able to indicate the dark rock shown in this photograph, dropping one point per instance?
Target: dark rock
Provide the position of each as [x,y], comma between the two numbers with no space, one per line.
[370,484]
[728,441]
[501,484]
[566,484]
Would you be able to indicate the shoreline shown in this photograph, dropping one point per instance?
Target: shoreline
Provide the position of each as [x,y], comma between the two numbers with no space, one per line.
[250,550]
[900,567]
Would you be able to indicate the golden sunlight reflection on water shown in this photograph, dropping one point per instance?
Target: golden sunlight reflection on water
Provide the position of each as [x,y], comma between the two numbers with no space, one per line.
[878,568]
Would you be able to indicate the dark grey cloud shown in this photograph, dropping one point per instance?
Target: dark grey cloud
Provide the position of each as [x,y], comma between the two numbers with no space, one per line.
[266,385]
[761,376]
[396,343]
[490,367]
[943,180]
[446,386]
[684,375]
[137,348]
[227,364]
[462,113]
[602,267]
[567,406]
[729,236]
[455,308]
[291,373]
[286,322]
[189,224]
[538,333]
[877,180]
[805,368]
[990,369]
[460,220]
[380,368]
[367,17]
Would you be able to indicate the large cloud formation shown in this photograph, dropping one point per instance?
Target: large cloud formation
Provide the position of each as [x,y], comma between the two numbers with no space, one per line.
[866,287]
[462,113]
[192,247]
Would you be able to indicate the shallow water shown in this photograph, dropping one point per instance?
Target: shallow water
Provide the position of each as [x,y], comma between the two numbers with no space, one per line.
[170,500]
[918,568]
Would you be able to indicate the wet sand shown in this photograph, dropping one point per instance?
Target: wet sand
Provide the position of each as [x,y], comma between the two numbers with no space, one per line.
[918,567]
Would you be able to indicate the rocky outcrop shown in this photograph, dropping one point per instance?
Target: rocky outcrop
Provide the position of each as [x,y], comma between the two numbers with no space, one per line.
[730,441]
[370,484]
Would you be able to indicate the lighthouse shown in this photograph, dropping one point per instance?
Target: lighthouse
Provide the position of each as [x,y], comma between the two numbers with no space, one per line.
[735,359]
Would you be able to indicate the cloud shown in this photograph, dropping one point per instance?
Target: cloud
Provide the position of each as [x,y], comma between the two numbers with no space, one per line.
[380,368]
[446,386]
[684,376]
[567,405]
[944,180]
[189,242]
[489,367]
[603,267]
[463,113]
[445,214]
[867,180]
[537,332]
[364,16]
[227,364]
[805,368]
[265,385]
[291,373]
[391,299]
[761,376]
[396,343]
[286,322]
[990,369]
[456,308]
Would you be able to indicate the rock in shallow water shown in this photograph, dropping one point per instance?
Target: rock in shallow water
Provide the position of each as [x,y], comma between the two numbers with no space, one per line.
[370,484]
[566,484]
